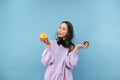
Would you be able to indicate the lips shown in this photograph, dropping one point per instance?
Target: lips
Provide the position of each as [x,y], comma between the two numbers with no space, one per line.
[59,33]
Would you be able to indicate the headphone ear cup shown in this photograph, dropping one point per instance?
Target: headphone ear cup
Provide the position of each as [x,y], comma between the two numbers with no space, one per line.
[59,40]
[67,43]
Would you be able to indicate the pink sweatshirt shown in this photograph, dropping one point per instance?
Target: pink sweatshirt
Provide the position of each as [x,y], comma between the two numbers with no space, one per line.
[59,62]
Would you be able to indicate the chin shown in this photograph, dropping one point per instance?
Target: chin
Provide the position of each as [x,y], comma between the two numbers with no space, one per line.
[59,36]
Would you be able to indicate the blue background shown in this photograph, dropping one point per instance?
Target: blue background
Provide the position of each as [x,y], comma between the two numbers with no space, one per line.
[22,21]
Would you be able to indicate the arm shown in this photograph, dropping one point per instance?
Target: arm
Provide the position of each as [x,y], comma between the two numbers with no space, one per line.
[72,58]
[48,55]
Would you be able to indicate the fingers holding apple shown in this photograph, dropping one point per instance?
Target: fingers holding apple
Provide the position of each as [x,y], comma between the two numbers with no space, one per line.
[44,37]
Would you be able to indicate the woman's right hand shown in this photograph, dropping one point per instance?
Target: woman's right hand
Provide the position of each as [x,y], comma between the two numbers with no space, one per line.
[47,42]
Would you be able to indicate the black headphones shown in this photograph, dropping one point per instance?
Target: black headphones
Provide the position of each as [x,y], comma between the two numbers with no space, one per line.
[64,43]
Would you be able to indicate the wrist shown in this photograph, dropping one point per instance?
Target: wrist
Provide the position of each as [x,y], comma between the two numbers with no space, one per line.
[48,45]
[76,49]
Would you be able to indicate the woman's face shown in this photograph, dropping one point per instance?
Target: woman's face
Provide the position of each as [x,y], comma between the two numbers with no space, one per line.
[62,31]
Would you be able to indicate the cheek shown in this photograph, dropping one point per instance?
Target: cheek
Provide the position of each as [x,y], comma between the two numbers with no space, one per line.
[65,32]
[58,30]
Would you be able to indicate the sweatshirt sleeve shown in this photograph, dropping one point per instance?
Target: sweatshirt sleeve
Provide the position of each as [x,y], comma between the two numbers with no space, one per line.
[48,56]
[71,59]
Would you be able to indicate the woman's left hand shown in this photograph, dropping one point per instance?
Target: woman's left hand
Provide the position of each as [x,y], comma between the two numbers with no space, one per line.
[80,46]
[77,47]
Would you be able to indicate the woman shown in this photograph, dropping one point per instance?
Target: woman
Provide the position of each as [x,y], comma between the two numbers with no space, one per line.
[61,55]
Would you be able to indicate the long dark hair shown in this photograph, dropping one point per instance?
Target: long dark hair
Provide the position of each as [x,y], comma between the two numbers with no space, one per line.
[67,43]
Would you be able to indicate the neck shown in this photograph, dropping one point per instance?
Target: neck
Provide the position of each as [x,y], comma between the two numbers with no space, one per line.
[63,38]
